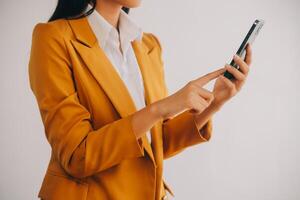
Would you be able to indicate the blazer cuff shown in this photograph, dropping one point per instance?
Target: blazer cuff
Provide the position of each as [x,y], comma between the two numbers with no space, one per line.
[182,131]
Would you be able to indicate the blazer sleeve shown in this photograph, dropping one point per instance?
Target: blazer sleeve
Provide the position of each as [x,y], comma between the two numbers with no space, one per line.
[181,131]
[81,150]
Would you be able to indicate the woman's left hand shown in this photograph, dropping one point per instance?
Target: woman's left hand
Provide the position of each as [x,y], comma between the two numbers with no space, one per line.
[224,88]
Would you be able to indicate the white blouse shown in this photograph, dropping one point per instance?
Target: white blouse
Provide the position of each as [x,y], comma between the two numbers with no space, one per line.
[125,63]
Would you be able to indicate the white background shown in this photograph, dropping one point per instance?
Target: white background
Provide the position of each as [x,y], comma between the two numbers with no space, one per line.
[254,151]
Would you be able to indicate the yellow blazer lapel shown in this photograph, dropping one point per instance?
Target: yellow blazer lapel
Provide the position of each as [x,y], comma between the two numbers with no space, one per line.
[104,72]
[152,92]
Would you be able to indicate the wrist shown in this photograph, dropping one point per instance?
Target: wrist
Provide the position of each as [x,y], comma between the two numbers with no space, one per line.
[216,106]
[156,110]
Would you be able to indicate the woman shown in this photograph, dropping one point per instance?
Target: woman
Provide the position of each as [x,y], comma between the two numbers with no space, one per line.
[100,87]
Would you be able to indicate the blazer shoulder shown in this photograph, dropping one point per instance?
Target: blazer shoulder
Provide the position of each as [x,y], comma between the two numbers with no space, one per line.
[48,40]
[55,29]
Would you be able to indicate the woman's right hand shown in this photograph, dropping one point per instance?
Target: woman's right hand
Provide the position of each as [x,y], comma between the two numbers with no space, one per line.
[191,97]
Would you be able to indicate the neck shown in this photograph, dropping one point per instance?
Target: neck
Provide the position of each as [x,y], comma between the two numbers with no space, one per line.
[110,11]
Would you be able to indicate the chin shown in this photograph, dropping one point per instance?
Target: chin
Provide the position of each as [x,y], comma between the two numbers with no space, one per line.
[129,3]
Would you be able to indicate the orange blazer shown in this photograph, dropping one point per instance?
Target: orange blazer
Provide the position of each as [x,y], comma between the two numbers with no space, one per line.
[87,110]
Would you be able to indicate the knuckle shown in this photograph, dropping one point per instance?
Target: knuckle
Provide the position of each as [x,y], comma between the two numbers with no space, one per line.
[189,90]
[231,86]
[243,77]
[189,100]
[191,84]
[240,77]
[232,91]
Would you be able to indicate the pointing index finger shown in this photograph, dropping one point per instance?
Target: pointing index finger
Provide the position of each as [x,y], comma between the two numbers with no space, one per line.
[210,76]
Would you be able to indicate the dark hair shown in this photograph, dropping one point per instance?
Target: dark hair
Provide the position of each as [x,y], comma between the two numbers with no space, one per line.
[73,9]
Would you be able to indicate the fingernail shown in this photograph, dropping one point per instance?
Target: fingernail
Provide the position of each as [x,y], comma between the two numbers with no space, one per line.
[235,56]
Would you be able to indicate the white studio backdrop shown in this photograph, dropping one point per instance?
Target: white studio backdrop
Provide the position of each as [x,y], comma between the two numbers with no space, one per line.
[254,151]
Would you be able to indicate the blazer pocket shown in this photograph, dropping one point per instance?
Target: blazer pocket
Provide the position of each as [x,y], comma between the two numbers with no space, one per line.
[59,187]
